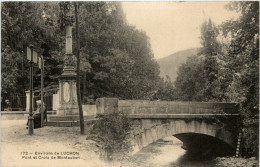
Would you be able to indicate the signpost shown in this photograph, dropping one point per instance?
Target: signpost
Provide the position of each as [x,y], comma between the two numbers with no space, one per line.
[32,56]
[41,65]
[30,119]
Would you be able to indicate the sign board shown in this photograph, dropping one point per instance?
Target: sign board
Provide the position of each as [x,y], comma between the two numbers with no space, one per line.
[29,55]
[35,57]
[39,62]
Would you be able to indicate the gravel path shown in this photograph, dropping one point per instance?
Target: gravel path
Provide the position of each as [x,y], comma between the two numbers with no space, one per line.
[18,149]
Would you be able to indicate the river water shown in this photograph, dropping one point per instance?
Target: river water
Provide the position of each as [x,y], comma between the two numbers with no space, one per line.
[168,153]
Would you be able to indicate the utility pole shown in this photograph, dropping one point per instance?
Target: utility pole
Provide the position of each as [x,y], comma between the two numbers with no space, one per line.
[42,72]
[81,118]
[30,119]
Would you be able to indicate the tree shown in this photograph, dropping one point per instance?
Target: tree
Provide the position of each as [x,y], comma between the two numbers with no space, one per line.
[117,57]
[210,51]
[191,81]
[243,62]
[198,78]
[229,73]
[120,57]
[11,76]
[25,23]
[78,69]
[166,90]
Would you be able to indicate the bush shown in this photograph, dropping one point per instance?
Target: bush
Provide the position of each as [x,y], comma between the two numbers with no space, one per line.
[236,162]
[250,138]
[112,133]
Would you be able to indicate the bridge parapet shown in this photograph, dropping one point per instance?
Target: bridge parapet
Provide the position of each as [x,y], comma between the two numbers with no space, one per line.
[171,107]
[133,107]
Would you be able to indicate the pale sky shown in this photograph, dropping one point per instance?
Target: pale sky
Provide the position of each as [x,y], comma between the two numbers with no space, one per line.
[174,26]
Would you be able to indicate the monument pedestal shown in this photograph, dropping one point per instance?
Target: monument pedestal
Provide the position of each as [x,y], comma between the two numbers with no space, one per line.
[68,92]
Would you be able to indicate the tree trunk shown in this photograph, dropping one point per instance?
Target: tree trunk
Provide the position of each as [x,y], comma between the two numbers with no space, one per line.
[84,86]
[81,118]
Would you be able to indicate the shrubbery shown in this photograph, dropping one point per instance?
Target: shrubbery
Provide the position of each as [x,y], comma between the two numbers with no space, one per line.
[236,162]
[112,133]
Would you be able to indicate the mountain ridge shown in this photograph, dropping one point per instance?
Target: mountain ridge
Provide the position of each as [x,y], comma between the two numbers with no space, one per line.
[169,65]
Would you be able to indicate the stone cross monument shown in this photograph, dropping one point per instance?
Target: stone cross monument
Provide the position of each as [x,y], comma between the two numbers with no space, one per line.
[67,81]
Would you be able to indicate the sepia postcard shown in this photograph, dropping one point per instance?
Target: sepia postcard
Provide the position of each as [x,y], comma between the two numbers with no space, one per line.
[129,83]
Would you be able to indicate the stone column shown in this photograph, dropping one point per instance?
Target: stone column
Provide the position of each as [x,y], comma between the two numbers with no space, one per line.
[69,40]
[67,81]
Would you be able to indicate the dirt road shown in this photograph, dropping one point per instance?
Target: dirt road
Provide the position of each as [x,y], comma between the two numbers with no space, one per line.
[18,149]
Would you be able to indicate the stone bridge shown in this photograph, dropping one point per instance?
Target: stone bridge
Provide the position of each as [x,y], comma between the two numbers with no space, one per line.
[201,126]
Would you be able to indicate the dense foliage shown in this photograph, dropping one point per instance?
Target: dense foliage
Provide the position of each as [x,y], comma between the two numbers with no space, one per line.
[165,90]
[235,162]
[197,78]
[120,57]
[25,23]
[243,61]
[112,133]
[116,59]
[190,81]
[228,71]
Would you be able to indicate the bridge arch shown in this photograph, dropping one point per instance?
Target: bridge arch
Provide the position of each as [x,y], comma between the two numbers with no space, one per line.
[154,120]
[191,132]
[205,145]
